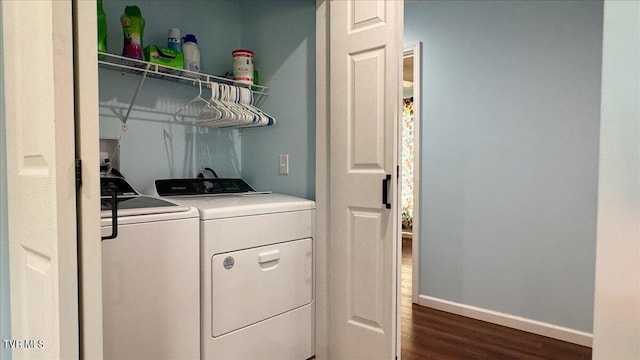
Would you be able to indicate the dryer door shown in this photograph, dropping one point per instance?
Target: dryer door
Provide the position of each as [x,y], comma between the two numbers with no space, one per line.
[252,285]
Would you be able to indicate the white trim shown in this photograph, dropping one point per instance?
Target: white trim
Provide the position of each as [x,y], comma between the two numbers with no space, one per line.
[616,321]
[88,195]
[322,183]
[415,50]
[512,321]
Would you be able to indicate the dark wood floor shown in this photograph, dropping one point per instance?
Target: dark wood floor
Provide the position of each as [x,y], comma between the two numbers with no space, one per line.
[433,334]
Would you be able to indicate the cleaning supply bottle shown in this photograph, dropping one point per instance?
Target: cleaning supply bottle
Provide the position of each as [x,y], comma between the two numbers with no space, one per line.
[102,28]
[243,66]
[173,39]
[191,53]
[133,29]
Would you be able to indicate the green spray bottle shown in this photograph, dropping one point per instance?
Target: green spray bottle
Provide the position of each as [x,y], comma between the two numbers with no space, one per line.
[102,28]
[132,29]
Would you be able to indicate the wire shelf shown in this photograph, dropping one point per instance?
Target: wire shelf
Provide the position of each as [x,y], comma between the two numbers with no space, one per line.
[139,67]
[146,69]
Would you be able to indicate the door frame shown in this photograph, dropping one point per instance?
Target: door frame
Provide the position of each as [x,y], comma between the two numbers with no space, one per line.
[321,178]
[85,25]
[415,50]
[322,158]
[322,181]
[5,306]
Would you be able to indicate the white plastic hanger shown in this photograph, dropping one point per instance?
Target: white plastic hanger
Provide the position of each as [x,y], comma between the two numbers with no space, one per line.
[195,99]
[211,112]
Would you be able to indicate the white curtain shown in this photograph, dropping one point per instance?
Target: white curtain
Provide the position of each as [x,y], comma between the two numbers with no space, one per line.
[407,164]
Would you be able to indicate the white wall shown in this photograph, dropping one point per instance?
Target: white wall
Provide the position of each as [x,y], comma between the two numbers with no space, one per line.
[617,299]
[511,99]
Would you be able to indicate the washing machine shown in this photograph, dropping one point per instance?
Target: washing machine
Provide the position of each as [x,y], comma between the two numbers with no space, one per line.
[150,275]
[257,269]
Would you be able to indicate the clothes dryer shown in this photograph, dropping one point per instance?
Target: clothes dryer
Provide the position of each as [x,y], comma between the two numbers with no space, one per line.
[257,269]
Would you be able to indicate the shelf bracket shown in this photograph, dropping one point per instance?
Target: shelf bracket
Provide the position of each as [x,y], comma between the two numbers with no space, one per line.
[126,116]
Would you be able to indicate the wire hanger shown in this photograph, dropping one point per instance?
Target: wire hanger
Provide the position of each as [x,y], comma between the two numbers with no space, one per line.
[195,99]
[231,106]
[210,112]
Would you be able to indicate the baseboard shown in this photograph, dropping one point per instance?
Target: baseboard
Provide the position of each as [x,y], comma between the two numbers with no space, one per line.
[516,322]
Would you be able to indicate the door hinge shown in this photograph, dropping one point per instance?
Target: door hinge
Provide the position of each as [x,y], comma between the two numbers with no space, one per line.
[397,172]
[78,173]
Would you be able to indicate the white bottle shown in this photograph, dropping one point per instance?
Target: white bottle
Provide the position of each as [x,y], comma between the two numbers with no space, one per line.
[173,40]
[191,53]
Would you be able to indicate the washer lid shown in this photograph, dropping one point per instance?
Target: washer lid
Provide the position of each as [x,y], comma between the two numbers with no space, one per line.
[226,206]
[139,205]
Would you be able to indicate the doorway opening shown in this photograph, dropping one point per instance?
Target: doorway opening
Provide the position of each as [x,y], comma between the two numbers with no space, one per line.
[410,165]
[409,186]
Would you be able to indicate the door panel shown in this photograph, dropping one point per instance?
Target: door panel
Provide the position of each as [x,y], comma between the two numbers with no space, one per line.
[39,113]
[365,55]
[366,269]
[365,14]
[366,120]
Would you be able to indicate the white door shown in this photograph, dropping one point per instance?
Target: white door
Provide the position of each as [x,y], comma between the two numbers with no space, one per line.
[39,110]
[365,97]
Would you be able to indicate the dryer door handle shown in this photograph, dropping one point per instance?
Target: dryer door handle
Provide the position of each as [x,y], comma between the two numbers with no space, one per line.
[268,256]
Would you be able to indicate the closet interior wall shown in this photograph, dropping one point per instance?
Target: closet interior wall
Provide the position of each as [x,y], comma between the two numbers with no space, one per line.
[154,146]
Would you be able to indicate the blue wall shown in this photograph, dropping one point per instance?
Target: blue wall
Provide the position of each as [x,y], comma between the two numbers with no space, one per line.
[509,158]
[154,145]
[216,25]
[5,309]
[283,36]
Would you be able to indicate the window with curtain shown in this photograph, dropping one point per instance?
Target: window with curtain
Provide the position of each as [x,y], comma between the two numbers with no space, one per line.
[407,165]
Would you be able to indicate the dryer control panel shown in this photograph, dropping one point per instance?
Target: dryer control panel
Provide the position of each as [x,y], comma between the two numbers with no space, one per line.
[198,186]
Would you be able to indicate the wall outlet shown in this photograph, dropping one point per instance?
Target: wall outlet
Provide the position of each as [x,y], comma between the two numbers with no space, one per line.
[283,164]
[109,150]
[104,158]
